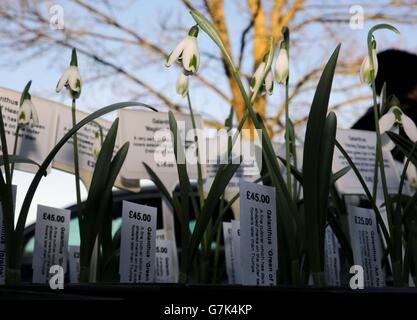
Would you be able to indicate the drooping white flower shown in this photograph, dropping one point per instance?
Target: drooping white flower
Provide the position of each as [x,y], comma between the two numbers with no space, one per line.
[366,67]
[268,84]
[71,78]
[282,65]
[27,113]
[186,53]
[412,175]
[391,122]
[182,84]
[96,145]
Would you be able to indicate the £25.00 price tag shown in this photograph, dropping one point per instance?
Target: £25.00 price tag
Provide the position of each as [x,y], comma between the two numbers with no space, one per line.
[138,239]
[164,271]
[366,245]
[51,241]
[258,229]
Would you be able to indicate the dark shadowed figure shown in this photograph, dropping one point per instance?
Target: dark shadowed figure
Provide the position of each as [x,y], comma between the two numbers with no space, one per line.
[398,69]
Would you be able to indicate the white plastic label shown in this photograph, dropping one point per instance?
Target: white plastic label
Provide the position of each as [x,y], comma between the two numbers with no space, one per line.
[35,142]
[151,143]
[258,241]
[366,245]
[332,266]
[360,145]
[237,266]
[74,264]
[164,272]
[137,248]
[51,241]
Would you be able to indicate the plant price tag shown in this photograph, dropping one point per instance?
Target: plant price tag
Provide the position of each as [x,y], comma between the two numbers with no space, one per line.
[229,253]
[74,264]
[35,141]
[164,271]
[332,266]
[366,245]
[51,241]
[360,145]
[138,240]
[3,239]
[151,143]
[258,228]
[237,266]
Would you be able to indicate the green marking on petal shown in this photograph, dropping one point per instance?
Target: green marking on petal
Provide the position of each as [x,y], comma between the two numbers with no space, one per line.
[193,62]
[78,83]
[22,115]
[252,82]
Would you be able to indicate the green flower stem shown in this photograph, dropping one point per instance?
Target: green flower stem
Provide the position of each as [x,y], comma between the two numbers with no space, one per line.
[206,238]
[396,259]
[16,138]
[287,139]
[199,172]
[77,173]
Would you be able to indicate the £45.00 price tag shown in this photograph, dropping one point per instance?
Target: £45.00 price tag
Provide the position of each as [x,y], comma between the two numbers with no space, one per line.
[164,272]
[51,241]
[258,228]
[137,248]
[366,245]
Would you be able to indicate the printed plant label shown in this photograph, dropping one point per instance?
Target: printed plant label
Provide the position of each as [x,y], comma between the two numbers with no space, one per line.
[258,241]
[366,245]
[35,141]
[360,145]
[138,240]
[51,241]
[74,264]
[164,271]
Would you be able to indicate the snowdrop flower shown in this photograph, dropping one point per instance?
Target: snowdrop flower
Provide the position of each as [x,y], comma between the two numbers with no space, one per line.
[96,145]
[182,84]
[27,112]
[71,78]
[268,84]
[390,122]
[412,175]
[365,71]
[281,66]
[186,53]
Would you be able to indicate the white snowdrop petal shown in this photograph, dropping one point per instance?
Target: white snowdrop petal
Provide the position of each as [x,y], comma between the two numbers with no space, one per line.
[281,66]
[386,122]
[190,54]
[409,127]
[63,80]
[269,82]
[257,75]
[386,143]
[175,54]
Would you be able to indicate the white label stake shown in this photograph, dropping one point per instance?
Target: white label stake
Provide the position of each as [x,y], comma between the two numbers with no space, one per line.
[137,248]
[366,245]
[237,266]
[164,272]
[74,264]
[258,241]
[51,241]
